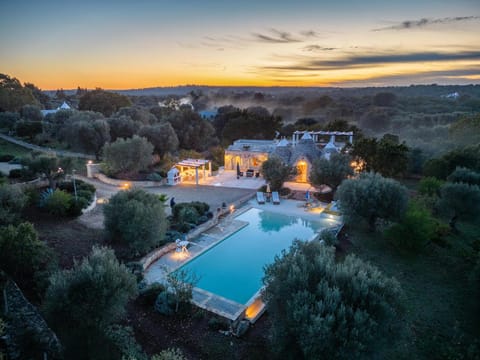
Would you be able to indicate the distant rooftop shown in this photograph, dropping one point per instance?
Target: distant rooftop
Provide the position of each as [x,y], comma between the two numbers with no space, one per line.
[253,145]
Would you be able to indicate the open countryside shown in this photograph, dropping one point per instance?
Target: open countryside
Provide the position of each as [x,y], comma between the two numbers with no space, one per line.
[244,181]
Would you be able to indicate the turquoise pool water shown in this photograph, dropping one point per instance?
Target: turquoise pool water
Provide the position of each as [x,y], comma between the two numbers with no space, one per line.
[233,268]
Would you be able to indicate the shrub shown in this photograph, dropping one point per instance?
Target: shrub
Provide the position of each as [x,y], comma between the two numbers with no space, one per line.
[59,203]
[150,293]
[121,343]
[216,324]
[6,157]
[415,230]
[170,354]
[318,306]
[172,235]
[16,174]
[12,202]
[187,215]
[164,303]
[75,207]
[430,186]
[136,218]
[136,267]
[201,207]
[21,252]
[329,237]
[154,177]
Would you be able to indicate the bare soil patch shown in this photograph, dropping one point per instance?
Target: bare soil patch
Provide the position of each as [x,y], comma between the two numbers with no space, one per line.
[191,334]
[67,237]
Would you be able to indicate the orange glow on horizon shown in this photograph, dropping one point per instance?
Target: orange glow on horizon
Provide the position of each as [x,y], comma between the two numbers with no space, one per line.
[62,74]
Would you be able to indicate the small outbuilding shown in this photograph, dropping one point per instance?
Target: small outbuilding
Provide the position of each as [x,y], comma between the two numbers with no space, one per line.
[173,176]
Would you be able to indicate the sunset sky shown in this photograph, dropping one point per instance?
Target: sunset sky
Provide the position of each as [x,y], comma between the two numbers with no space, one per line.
[133,44]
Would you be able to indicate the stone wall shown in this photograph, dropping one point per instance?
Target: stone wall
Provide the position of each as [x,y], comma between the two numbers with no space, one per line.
[24,320]
[156,254]
[36,183]
[116,182]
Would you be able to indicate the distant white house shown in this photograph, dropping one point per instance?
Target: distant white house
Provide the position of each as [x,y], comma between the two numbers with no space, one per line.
[64,106]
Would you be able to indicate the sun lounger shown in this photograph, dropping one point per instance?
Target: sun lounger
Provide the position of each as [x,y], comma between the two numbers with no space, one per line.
[260,197]
[275,198]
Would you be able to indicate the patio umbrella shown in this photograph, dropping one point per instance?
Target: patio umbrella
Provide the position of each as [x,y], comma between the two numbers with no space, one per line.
[307,195]
[268,189]
[238,169]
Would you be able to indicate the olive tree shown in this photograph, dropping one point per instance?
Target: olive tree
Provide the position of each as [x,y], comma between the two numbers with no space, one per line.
[137,219]
[372,197]
[105,102]
[318,306]
[459,201]
[89,136]
[276,172]
[81,302]
[331,171]
[122,127]
[464,175]
[52,167]
[127,155]
[162,136]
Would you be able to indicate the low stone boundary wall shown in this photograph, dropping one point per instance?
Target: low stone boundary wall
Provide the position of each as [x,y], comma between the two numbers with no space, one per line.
[21,316]
[92,204]
[36,183]
[156,254]
[115,182]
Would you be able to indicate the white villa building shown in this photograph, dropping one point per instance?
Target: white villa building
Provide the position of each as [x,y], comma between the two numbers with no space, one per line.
[303,148]
[64,106]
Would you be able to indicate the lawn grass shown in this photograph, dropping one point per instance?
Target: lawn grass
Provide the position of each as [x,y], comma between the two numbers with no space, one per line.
[440,316]
[12,149]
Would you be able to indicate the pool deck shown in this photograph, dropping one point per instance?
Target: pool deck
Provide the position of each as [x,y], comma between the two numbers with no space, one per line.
[171,261]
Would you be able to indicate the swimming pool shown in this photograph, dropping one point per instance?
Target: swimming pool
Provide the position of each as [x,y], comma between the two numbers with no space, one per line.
[233,268]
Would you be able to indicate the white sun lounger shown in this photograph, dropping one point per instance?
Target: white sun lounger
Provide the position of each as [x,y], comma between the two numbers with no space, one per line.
[275,198]
[260,197]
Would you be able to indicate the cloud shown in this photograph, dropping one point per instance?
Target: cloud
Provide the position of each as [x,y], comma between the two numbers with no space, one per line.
[360,61]
[456,76]
[412,24]
[275,36]
[309,33]
[314,48]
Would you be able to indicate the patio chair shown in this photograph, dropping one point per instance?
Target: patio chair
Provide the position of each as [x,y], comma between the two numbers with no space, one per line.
[275,198]
[260,197]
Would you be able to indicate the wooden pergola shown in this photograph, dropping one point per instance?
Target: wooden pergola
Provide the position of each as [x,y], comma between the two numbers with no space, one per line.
[204,165]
